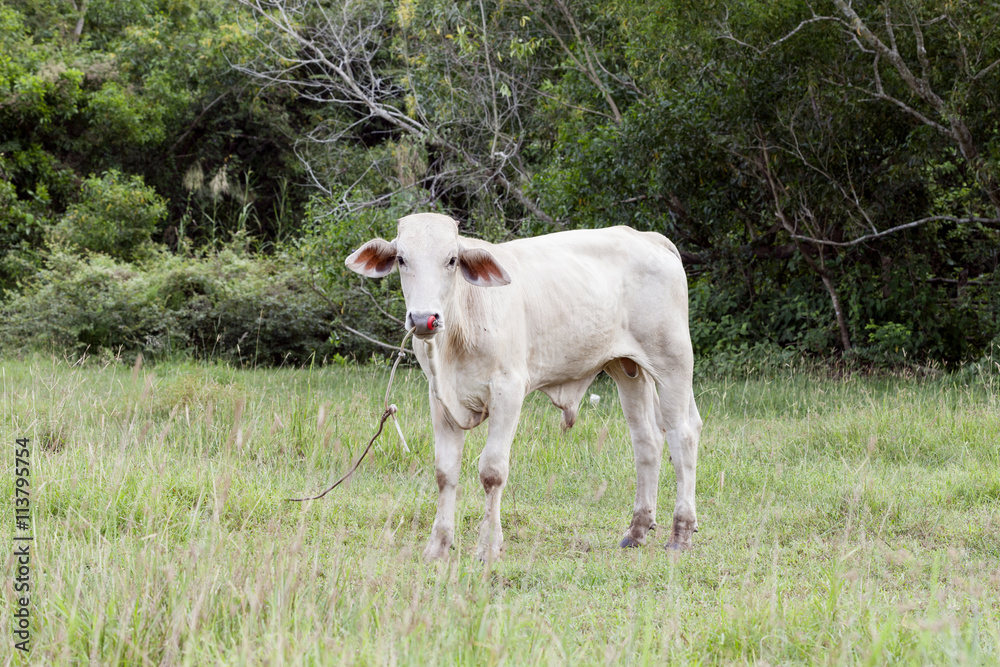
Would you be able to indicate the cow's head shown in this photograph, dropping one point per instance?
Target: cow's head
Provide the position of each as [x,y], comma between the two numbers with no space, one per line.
[429,255]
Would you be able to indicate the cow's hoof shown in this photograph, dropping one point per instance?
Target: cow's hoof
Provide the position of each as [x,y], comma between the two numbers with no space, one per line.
[629,542]
[436,549]
[488,554]
[490,545]
[680,535]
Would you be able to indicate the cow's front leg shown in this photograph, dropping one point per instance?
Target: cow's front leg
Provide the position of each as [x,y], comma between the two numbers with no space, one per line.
[494,465]
[448,442]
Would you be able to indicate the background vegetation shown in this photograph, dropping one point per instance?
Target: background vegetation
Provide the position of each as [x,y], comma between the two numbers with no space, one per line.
[831,171]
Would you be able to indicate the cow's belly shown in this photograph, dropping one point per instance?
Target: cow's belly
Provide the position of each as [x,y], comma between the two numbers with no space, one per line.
[593,310]
[575,343]
[556,363]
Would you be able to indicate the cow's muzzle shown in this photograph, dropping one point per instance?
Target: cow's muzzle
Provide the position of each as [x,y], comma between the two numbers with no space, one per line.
[424,323]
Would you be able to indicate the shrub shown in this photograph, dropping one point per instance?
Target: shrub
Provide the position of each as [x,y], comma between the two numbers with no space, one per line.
[21,230]
[360,303]
[77,303]
[115,215]
[223,305]
[249,309]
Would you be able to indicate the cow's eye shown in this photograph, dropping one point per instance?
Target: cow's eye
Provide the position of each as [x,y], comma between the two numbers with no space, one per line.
[399,260]
[452,262]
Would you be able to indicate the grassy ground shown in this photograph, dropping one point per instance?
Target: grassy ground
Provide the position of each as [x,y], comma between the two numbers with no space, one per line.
[842,521]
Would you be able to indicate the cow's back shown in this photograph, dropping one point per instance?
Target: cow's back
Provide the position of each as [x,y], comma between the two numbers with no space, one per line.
[580,298]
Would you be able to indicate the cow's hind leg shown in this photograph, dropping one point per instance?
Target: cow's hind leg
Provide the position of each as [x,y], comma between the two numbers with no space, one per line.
[680,419]
[448,444]
[637,394]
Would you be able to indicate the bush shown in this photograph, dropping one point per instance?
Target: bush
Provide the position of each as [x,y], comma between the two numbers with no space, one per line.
[116,215]
[21,230]
[224,305]
[249,309]
[79,303]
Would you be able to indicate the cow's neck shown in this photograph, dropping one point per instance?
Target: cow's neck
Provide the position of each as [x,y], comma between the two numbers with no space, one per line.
[447,354]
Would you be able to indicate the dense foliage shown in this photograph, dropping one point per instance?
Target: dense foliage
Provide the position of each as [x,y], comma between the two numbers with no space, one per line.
[830,170]
[225,305]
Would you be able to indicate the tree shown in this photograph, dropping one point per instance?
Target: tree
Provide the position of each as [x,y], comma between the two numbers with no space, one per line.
[918,86]
[457,91]
[785,154]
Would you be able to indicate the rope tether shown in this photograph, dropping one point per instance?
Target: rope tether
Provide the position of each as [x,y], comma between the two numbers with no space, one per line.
[390,411]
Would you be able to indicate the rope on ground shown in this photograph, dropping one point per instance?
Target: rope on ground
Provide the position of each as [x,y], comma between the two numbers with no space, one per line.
[390,411]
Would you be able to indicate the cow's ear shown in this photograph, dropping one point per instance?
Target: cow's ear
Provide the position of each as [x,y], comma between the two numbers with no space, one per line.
[479,268]
[374,259]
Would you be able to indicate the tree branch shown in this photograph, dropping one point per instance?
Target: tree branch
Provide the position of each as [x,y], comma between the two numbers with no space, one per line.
[81,11]
[197,120]
[588,69]
[329,301]
[394,348]
[957,128]
[893,230]
[819,267]
[727,34]
[376,304]
[331,54]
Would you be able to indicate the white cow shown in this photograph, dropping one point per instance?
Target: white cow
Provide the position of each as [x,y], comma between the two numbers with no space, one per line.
[494,323]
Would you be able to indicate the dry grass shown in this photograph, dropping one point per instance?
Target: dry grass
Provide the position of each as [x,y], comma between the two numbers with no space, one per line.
[842,521]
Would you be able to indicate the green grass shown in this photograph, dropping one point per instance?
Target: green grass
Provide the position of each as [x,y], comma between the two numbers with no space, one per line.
[845,520]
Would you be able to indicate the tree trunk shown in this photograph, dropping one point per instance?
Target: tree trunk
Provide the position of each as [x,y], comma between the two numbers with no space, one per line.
[831,288]
[81,10]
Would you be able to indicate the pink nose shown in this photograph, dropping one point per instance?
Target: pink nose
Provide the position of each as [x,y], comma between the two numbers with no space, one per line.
[424,323]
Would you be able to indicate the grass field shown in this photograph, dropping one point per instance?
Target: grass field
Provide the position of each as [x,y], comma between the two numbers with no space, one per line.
[846,520]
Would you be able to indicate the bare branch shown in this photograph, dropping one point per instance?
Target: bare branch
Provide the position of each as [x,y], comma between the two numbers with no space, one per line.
[81,11]
[888,27]
[797,152]
[316,180]
[628,83]
[492,80]
[957,128]
[588,69]
[330,54]
[775,187]
[591,72]
[197,120]
[566,104]
[394,348]
[344,46]
[896,229]
[868,42]
[727,34]
[375,302]
[916,84]
[880,94]
[918,35]
[323,295]
[986,70]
